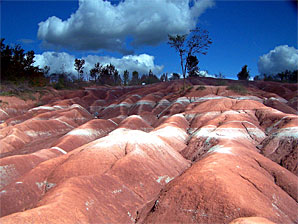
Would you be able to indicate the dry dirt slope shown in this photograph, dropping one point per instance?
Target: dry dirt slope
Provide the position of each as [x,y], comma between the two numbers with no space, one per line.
[155,154]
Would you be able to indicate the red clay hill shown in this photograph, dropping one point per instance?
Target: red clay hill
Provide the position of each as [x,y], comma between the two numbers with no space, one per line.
[220,151]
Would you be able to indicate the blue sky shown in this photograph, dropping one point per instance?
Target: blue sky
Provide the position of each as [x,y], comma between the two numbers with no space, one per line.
[241,31]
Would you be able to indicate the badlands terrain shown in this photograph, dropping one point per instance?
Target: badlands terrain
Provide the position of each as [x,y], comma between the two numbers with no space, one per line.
[151,154]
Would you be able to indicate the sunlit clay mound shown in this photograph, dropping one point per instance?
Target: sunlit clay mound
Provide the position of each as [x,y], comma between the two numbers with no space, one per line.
[151,154]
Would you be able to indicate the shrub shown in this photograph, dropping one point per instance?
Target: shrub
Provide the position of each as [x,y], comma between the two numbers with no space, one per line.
[200,88]
[188,88]
[9,93]
[184,91]
[58,85]
[38,81]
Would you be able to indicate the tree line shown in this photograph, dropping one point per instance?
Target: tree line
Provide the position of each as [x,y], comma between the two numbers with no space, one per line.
[109,75]
[17,66]
[285,76]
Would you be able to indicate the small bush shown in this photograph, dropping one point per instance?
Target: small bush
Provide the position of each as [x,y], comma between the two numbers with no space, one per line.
[200,88]
[31,97]
[188,88]
[38,104]
[58,85]
[237,88]
[28,95]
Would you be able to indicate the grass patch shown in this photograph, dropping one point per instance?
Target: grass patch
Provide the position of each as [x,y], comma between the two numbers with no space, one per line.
[26,96]
[237,88]
[22,91]
[8,93]
[221,83]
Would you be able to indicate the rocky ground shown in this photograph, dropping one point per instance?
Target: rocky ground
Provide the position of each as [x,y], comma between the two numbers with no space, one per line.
[152,154]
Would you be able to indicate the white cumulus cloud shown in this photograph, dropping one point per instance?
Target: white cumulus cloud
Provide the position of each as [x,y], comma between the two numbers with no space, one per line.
[58,62]
[64,62]
[278,60]
[206,74]
[98,24]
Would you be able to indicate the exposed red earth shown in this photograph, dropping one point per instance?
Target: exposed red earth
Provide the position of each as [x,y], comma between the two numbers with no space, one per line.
[152,154]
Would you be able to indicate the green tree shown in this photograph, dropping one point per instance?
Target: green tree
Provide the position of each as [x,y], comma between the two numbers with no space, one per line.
[135,78]
[192,65]
[46,70]
[94,72]
[17,66]
[79,66]
[125,77]
[149,78]
[29,60]
[286,76]
[116,77]
[164,77]
[257,77]
[175,76]
[196,42]
[243,74]
[219,75]
[292,76]
[110,75]
[6,60]
[144,79]
[150,74]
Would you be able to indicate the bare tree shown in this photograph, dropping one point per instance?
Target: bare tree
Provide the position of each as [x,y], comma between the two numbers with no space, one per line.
[188,45]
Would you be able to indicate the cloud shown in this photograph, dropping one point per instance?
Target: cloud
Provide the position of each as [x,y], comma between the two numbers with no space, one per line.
[98,24]
[201,73]
[141,63]
[278,60]
[206,74]
[59,62]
